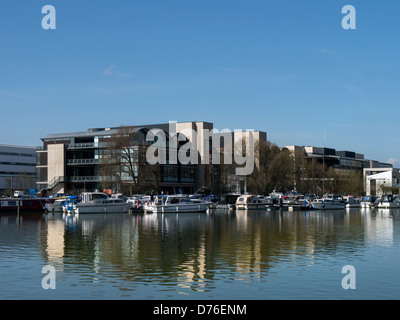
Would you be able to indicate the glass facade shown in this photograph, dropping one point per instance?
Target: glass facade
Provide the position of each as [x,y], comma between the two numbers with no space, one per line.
[187,174]
[170,173]
[92,158]
[351,164]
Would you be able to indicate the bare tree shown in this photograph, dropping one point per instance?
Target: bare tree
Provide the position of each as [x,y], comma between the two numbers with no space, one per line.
[125,159]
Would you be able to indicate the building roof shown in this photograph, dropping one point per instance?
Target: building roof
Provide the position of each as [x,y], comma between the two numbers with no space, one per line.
[20,147]
[89,133]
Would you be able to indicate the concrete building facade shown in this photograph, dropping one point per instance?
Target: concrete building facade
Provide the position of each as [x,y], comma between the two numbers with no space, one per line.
[380,181]
[74,162]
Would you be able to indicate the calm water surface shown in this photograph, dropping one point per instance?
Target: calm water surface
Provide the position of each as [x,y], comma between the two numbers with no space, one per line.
[243,255]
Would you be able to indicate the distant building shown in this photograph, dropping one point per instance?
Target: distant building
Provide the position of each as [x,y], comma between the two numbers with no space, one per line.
[339,160]
[226,180]
[17,169]
[379,181]
[343,162]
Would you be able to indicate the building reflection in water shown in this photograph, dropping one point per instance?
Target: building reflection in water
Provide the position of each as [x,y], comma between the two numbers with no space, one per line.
[379,226]
[190,252]
[55,242]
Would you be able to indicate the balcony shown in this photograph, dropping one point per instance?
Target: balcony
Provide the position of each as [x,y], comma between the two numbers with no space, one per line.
[72,162]
[88,145]
[90,178]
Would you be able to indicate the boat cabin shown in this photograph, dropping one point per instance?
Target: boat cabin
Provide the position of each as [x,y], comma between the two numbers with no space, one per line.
[388,198]
[370,199]
[248,199]
[119,196]
[171,199]
[94,196]
[334,196]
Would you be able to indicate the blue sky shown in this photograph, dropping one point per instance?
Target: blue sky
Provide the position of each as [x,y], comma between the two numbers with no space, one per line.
[281,66]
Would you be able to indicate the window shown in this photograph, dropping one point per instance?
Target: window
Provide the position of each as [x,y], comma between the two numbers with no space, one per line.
[187,174]
[18,164]
[170,173]
[30,155]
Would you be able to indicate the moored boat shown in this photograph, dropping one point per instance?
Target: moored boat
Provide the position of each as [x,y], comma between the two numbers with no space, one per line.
[368,202]
[175,204]
[251,202]
[57,204]
[228,202]
[328,202]
[22,205]
[352,202]
[99,202]
[389,201]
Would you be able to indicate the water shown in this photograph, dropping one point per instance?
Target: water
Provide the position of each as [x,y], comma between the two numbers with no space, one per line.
[244,255]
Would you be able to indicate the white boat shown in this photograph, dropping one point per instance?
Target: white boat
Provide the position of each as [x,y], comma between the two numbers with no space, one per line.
[57,205]
[251,202]
[99,202]
[389,201]
[329,202]
[228,202]
[352,202]
[175,204]
[368,202]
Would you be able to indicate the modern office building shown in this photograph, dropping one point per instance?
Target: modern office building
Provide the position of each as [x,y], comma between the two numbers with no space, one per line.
[343,163]
[101,158]
[17,169]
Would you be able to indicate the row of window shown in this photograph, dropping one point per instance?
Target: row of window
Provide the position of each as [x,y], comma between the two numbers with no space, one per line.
[18,173]
[170,174]
[349,163]
[16,154]
[18,164]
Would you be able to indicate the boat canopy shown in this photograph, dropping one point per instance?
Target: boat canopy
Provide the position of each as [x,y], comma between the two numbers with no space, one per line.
[246,199]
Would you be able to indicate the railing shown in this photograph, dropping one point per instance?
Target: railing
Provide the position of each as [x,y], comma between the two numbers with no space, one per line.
[81,145]
[84,178]
[90,178]
[55,181]
[87,145]
[58,180]
[82,161]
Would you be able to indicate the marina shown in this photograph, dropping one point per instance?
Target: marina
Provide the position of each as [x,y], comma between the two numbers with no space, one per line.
[95,202]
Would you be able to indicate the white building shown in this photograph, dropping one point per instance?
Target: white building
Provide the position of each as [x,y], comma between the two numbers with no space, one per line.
[17,168]
[377,179]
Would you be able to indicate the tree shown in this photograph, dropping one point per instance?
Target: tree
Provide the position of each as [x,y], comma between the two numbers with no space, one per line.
[274,169]
[259,182]
[281,171]
[125,159]
[351,182]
